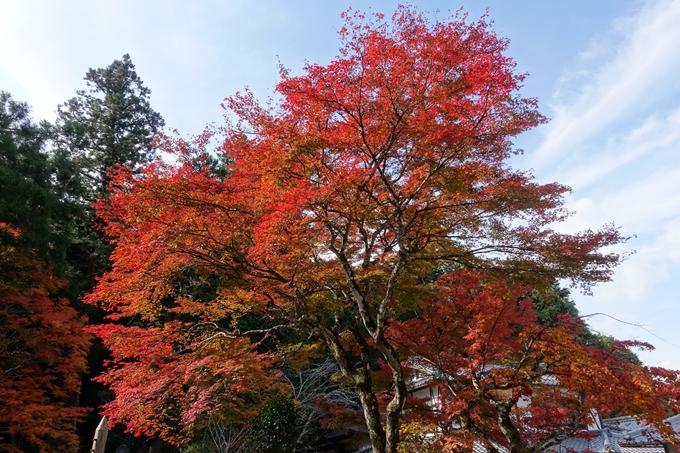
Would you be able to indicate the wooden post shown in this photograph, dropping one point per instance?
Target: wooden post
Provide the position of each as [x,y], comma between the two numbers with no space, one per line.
[100,435]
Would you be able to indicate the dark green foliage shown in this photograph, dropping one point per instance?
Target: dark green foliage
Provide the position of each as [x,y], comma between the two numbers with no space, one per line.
[111,123]
[216,164]
[276,427]
[34,186]
[26,201]
[549,305]
[36,204]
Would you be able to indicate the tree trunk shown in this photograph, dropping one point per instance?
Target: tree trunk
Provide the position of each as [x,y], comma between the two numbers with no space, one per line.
[369,404]
[361,376]
[509,429]
[396,406]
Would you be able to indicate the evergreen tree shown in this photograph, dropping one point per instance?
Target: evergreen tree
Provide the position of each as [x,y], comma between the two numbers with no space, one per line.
[34,193]
[556,301]
[550,304]
[110,123]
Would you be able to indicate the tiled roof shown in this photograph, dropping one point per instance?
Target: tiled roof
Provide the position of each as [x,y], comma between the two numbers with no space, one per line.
[477,447]
[579,444]
[630,431]
[620,435]
[653,448]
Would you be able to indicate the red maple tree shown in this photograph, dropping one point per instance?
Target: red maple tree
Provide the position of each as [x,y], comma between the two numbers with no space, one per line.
[505,379]
[364,178]
[42,355]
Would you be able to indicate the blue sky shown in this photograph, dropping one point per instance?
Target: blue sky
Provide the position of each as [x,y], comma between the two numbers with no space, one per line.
[605,72]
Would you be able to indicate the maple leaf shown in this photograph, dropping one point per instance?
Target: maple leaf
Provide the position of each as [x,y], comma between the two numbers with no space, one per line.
[42,355]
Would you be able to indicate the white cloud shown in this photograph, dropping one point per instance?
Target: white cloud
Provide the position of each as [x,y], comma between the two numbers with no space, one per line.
[645,62]
[653,136]
[617,143]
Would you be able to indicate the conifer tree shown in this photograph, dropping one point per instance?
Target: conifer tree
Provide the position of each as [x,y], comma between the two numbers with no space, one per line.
[110,123]
[32,193]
